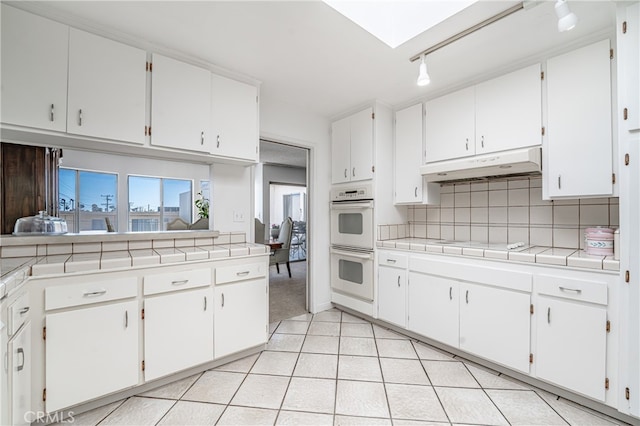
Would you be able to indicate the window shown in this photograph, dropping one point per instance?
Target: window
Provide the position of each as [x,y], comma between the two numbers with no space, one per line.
[88,199]
[154,202]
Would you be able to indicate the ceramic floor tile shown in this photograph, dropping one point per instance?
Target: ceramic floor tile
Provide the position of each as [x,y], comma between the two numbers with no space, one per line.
[319,328]
[292,327]
[358,346]
[92,417]
[273,326]
[360,421]
[285,342]
[303,317]
[328,316]
[390,348]
[413,402]
[524,408]
[491,379]
[406,371]
[298,418]
[359,368]
[449,373]
[353,319]
[322,366]
[321,344]
[243,365]
[356,330]
[215,386]
[240,416]
[428,352]
[383,333]
[261,391]
[575,414]
[173,390]
[277,363]
[471,406]
[371,399]
[139,411]
[401,422]
[192,414]
[313,395]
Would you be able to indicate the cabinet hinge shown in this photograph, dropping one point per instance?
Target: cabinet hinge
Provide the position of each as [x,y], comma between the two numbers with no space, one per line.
[613,178]
[627,160]
[531,309]
[606,383]
[256,99]
[143,365]
[146,66]
[627,276]
[373,115]
[610,53]
[608,326]
[149,67]
[625,114]
[543,129]
[373,169]
[44,394]
[626,394]
[541,75]
[530,358]
[142,314]
[44,333]
[624,27]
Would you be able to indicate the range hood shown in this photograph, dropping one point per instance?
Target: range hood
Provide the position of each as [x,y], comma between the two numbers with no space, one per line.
[513,162]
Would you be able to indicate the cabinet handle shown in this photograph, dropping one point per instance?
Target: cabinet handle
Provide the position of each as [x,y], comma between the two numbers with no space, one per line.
[345,172]
[353,172]
[450,293]
[24,310]
[242,274]
[94,293]
[467,297]
[80,117]
[51,114]
[126,319]
[391,261]
[574,290]
[181,282]
[549,315]
[398,280]
[482,141]
[21,352]
[201,138]
[218,141]
[466,145]
[222,297]
[559,182]
[415,192]
[205,303]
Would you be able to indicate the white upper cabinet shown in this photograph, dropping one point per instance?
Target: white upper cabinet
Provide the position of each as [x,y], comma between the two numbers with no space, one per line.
[408,155]
[629,65]
[509,111]
[352,147]
[450,126]
[180,105]
[34,70]
[234,118]
[579,141]
[107,88]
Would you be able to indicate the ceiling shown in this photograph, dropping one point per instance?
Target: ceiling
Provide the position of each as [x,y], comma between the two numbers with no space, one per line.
[308,55]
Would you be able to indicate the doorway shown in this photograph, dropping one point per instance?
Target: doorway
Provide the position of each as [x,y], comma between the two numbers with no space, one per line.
[281,190]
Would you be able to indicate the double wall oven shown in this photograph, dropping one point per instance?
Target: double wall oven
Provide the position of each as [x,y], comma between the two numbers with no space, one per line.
[352,241]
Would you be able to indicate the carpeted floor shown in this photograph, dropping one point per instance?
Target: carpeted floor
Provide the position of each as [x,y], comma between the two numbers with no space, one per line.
[287,296]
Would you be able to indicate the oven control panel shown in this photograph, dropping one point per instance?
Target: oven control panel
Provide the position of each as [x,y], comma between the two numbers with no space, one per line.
[351,193]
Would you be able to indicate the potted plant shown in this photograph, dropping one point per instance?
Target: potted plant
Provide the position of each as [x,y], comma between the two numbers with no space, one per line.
[202,204]
[275,231]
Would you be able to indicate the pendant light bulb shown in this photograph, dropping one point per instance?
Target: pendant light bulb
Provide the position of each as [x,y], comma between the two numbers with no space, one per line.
[423,76]
[567,20]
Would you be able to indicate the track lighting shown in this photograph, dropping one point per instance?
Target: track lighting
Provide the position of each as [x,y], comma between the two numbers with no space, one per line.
[567,20]
[423,76]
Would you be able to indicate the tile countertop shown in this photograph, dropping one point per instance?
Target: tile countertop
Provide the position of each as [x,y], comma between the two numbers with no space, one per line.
[103,236]
[533,254]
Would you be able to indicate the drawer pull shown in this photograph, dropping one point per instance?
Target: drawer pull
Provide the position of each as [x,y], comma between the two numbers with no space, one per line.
[181,282]
[94,293]
[243,273]
[24,310]
[450,293]
[222,297]
[51,116]
[398,280]
[467,297]
[549,315]
[21,352]
[573,290]
[205,303]
[391,261]
[126,319]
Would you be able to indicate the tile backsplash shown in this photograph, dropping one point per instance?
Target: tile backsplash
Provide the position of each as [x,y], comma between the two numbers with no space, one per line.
[505,211]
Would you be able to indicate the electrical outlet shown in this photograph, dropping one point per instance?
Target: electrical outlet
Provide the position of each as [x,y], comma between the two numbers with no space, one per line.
[238,216]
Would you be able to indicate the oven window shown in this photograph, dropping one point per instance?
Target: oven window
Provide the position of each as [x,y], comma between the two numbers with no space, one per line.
[350,271]
[350,223]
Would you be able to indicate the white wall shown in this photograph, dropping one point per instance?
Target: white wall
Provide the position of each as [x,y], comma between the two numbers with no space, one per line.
[232,195]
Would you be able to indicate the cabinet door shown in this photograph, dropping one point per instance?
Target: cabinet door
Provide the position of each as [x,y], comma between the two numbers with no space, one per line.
[20,367]
[579,146]
[495,324]
[178,331]
[450,126]
[107,88]
[362,145]
[571,346]
[341,151]
[180,105]
[91,352]
[392,295]
[509,111]
[433,308]
[629,65]
[240,316]
[234,118]
[408,155]
[34,70]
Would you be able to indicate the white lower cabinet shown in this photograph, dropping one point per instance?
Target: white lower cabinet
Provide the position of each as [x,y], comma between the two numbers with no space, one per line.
[19,350]
[91,352]
[433,307]
[178,331]
[392,295]
[240,316]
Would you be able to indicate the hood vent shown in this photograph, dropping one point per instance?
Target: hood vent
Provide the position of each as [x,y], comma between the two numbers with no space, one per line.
[506,163]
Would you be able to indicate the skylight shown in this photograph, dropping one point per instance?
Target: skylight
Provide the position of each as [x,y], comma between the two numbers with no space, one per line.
[395,22]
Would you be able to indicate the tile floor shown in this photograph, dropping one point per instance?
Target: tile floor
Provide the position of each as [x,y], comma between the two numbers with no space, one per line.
[333,368]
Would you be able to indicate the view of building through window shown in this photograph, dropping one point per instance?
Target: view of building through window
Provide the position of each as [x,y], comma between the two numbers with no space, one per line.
[154,202]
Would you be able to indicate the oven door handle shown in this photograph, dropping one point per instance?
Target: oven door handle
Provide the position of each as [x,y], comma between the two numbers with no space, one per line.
[352,206]
[357,255]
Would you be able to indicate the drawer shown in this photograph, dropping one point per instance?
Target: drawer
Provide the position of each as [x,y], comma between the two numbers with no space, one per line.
[66,296]
[177,280]
[229,274]
[18,314]
[571,288]
[395,260]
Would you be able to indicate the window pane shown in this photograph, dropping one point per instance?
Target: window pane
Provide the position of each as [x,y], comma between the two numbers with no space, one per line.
[144,204]
[67,196]
[177,200]
[98,195]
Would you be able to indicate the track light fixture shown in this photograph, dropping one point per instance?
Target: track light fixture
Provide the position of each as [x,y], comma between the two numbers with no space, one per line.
[423,76]
[567,20]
